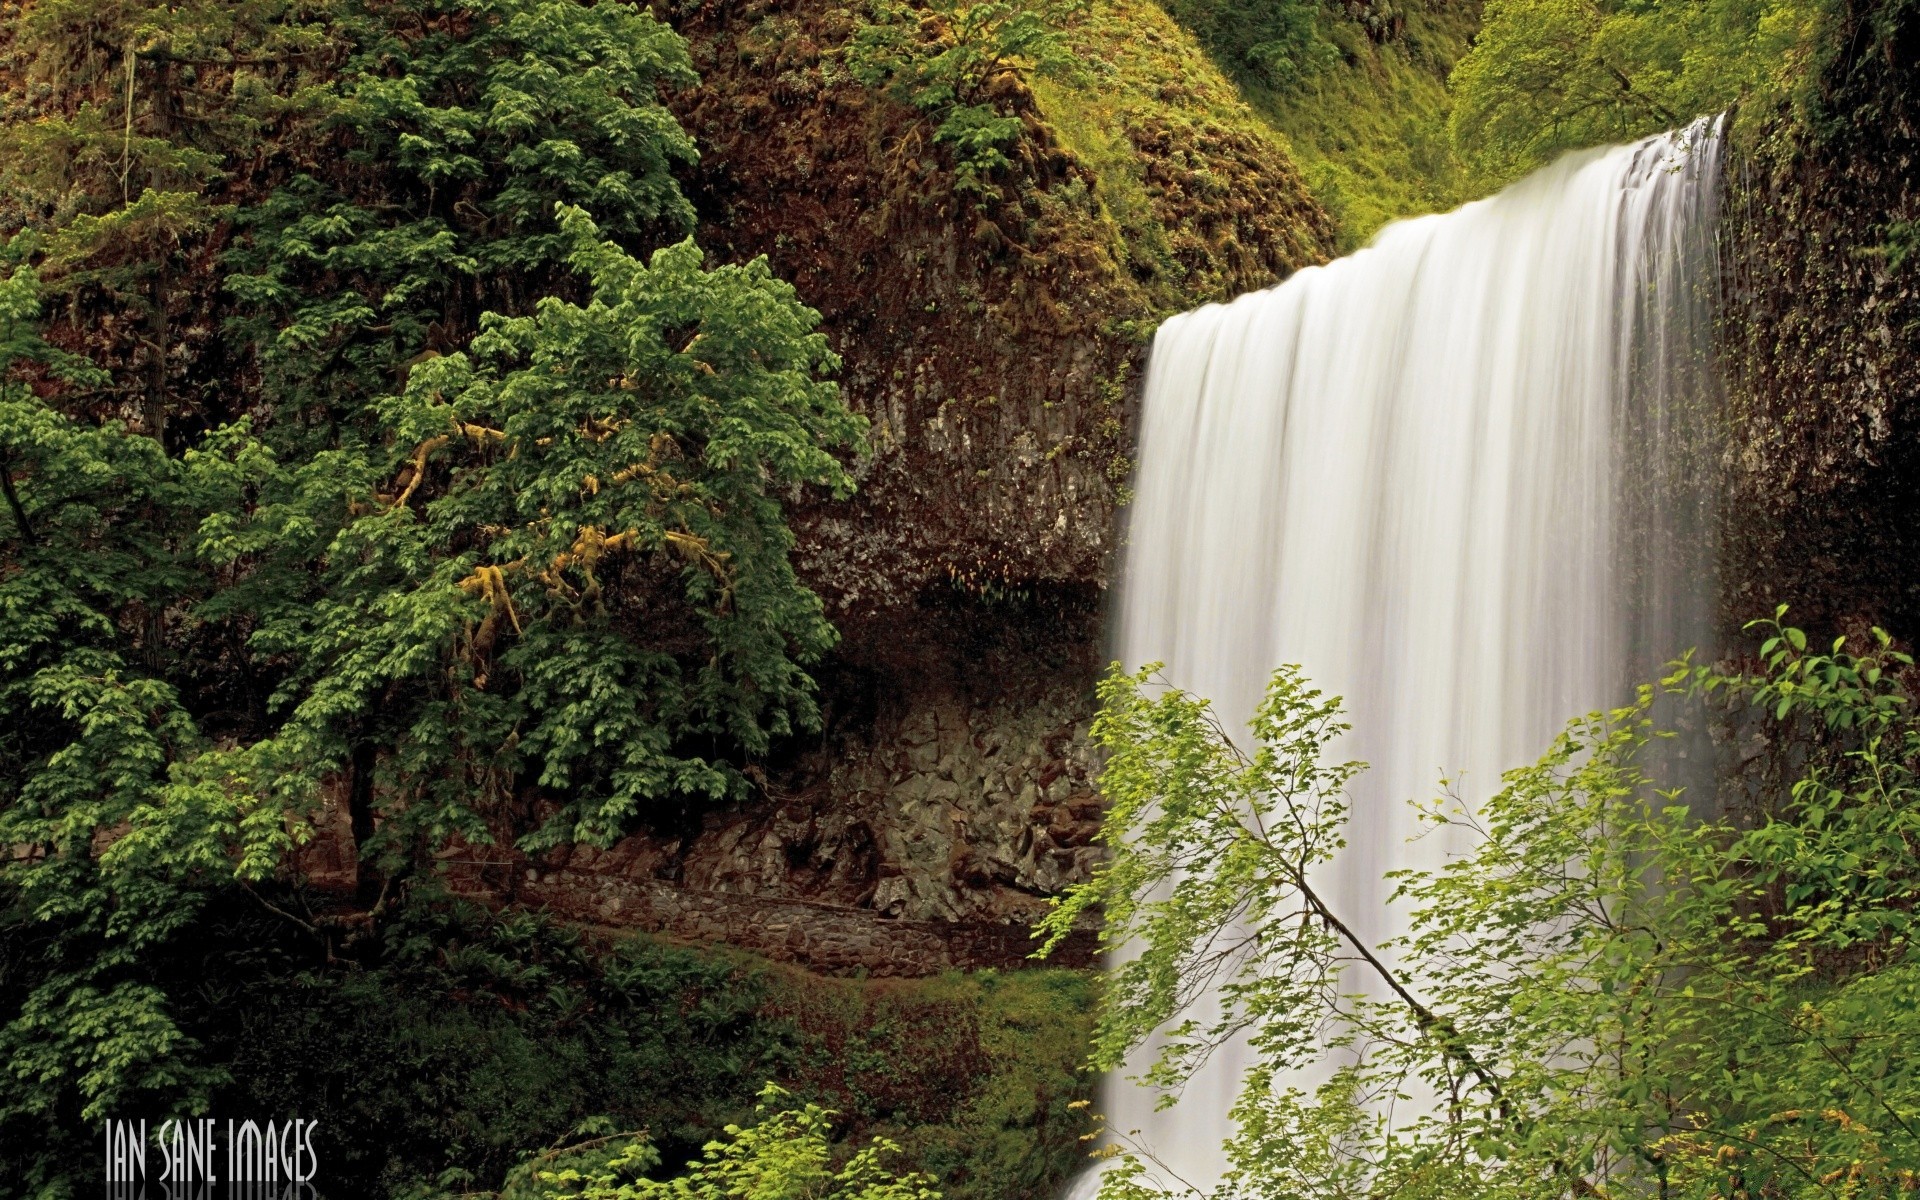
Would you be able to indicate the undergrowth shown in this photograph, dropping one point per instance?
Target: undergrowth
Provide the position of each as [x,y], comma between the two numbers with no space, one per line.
[441,1050]
[1370,129]
[973,1075]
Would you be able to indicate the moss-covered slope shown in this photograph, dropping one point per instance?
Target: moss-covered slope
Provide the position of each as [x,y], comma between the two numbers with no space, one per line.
[1357,91]
[1371,130]
[1203,198]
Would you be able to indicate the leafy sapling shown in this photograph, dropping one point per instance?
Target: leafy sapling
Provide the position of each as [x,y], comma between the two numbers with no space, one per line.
[1604,993]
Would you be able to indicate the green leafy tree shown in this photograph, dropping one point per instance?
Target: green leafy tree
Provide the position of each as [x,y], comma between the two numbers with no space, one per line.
[115,803]
[1548,76]
[483,519]
[568,567]
[459,124]
[1606,994]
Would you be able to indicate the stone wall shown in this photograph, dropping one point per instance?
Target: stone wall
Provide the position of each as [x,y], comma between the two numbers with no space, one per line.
[951,808]
[954,780]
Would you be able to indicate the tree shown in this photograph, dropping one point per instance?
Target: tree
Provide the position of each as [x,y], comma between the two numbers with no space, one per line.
[475,509]
[567,565]
[1606,995]
[602,576]
[115,802]
[456,126]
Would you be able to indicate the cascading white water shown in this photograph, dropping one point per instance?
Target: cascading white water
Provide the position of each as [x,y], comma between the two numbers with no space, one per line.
[1461,478]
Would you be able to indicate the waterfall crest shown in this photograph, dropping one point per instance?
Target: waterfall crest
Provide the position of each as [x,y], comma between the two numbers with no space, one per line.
[1461,477]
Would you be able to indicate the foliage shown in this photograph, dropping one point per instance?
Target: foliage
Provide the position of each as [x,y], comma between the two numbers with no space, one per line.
[1198,198]
[1184,859]
[948,60]
[455,1041]
[123,137]
[1370,132]
[975,1076]
[118,99]
[396,471]
[1280,43]
[1357,91]
[115,801]
[582,466]
[464,123]
[1902,244]
[785,1155]
[450,1050]
[1547,76]
[1606,993]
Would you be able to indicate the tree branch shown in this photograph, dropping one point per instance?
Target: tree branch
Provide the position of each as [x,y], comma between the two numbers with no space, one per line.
[13,500]
[1626,85]
[1442,1030]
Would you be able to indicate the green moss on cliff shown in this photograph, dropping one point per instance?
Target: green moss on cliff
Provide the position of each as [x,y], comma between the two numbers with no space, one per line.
[1365,126]
[1371,131]
[1205,199]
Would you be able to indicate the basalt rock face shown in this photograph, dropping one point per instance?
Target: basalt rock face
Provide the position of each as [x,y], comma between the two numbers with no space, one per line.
[953,784]
[970,325]
[988,329]
[1822,350]
[923,831]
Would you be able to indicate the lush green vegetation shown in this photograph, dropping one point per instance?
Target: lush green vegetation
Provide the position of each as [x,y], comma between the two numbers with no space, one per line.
[1548,76]
[1197,193]
[370,423]
[1278,42]
[1611,991]
[381,429]
[786,1155]
[1358,91]
[451,1050]
[1395,110]
[1370,128]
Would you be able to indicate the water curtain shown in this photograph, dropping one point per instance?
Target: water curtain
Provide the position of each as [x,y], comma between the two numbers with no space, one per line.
[1463,477]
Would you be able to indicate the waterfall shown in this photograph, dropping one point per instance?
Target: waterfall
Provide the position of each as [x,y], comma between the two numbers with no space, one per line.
[1462,477]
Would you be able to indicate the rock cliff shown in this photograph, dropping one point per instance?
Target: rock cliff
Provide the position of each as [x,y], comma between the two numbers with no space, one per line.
[1822,280]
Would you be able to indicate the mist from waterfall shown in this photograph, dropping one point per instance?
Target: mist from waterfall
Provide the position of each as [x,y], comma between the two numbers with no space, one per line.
[1462,477]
